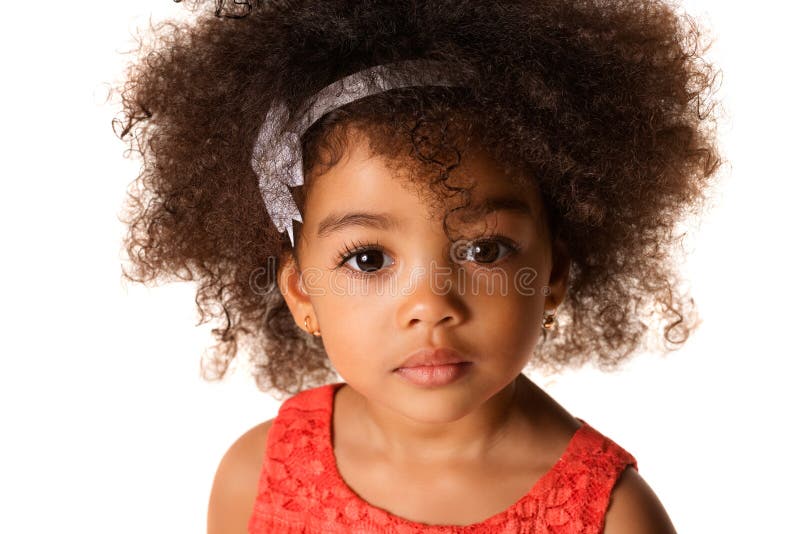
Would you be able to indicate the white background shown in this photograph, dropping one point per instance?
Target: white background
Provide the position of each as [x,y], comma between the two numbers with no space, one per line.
[107,427]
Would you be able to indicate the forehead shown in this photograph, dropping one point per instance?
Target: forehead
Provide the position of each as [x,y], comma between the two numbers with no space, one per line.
[407,188]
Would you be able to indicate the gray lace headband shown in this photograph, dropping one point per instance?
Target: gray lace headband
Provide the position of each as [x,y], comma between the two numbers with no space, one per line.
[277,153]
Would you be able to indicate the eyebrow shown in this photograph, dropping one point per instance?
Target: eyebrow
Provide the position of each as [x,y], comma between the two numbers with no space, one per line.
[512,204]
[336,222]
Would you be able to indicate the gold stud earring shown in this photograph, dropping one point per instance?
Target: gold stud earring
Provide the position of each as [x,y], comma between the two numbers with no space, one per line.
[549,321]
[315,332]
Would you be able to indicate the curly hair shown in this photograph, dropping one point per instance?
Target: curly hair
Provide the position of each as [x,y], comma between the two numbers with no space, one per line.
[607,103]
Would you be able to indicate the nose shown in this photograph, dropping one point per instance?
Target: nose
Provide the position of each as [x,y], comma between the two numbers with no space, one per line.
[431,298]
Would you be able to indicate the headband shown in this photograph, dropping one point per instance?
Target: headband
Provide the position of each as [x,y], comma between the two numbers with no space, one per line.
[277,153]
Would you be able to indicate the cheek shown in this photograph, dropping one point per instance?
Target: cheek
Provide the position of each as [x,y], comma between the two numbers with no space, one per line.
[508,320]
[517,287]
[355,328]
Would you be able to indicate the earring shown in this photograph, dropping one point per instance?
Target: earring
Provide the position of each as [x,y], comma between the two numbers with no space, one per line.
[315,332]
[549,321]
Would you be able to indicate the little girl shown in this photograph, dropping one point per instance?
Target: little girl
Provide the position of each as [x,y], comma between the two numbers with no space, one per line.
[423,199]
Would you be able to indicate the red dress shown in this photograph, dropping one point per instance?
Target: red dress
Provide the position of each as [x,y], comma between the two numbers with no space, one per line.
[301,490]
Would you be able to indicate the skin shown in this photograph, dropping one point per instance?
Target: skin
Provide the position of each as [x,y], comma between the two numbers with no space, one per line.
[367,334]
[443,446]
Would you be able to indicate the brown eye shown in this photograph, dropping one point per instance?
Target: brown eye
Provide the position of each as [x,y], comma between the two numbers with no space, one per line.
[367,260]
[487,251]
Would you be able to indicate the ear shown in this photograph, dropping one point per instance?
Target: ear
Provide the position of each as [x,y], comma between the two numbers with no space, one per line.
[295,295]
[559,275]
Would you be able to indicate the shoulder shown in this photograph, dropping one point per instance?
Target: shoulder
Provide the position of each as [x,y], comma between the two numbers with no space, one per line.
[635,508]
[235,486]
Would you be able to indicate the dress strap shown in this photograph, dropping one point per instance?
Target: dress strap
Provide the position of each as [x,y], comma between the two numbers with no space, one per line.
[301,489]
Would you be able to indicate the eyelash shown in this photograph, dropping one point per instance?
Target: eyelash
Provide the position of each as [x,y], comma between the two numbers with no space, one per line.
[354,248]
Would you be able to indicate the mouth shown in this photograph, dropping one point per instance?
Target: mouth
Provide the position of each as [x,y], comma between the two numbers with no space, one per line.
[431,367]
[432,357]
[434,375]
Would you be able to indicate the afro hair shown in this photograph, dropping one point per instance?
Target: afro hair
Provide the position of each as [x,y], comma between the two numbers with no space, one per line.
[607,103]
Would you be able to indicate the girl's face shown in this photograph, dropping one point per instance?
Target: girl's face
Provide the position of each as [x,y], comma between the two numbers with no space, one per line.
[381,280]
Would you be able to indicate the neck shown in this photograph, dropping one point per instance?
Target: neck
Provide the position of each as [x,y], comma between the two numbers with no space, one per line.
[470,438]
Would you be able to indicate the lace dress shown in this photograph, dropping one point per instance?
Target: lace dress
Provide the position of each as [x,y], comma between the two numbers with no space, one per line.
[301,490]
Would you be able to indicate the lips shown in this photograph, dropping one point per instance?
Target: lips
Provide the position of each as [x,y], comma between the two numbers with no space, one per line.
[432,357]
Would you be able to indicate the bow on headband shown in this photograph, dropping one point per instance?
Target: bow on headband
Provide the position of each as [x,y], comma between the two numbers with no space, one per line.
[277,153]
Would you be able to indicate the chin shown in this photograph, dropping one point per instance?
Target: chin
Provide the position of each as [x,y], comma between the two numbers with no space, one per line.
[435,410]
